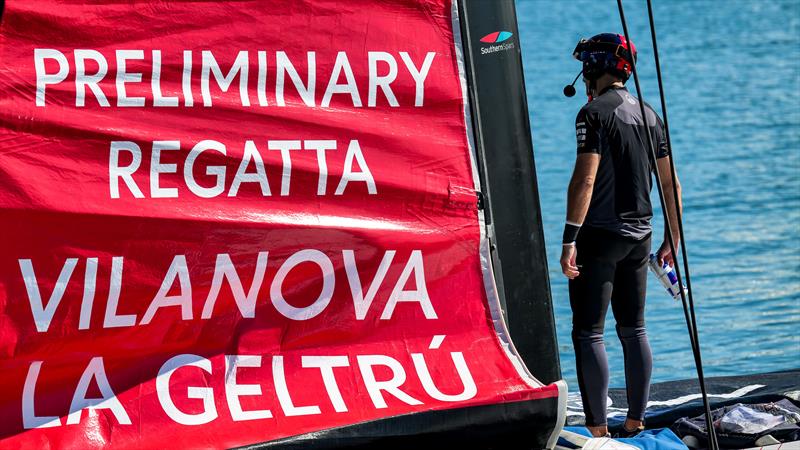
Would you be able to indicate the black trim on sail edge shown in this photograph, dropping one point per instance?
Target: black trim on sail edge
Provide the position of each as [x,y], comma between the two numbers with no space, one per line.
[508,176]
[502,426]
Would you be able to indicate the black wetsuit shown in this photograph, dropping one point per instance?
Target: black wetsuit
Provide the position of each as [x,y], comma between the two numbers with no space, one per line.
[613,248]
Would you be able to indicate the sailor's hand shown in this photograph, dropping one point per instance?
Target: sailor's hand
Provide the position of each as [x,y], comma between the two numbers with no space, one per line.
[568,255]
[665,254]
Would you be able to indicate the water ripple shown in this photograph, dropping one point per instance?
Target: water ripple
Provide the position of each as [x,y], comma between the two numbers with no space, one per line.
[736,133]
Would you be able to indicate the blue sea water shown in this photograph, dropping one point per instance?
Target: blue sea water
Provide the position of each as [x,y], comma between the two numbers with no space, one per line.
[732,79]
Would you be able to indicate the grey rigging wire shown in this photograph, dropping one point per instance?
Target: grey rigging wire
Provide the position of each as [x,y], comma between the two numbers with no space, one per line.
[688,309]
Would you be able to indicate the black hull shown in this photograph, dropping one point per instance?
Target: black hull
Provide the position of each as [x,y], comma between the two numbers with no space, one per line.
[506,426]
[673,403]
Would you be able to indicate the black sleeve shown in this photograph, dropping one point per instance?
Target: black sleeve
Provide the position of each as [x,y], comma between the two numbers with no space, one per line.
[587,131]
[662,149]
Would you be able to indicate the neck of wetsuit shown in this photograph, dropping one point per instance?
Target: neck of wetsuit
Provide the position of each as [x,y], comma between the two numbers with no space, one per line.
[611,86]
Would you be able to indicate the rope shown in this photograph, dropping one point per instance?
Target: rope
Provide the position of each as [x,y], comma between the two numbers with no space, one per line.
[688,308]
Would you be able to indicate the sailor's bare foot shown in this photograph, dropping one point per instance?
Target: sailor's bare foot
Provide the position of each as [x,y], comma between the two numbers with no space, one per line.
[598,431]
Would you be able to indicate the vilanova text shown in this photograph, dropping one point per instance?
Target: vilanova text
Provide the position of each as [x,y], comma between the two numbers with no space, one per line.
[272,72]
[225,271]
[322,366]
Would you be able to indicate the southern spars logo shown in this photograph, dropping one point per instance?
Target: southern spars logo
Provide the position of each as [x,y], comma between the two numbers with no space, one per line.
[497,37]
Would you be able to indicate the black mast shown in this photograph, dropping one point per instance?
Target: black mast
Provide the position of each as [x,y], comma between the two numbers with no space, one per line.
[508,176]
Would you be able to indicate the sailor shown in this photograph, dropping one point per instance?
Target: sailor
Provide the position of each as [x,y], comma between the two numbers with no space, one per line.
[606,242]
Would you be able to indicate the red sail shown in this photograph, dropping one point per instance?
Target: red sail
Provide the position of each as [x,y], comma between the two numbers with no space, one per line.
[225,224]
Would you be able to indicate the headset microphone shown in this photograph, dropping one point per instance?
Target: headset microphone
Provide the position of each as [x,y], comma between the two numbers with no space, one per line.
[569,90]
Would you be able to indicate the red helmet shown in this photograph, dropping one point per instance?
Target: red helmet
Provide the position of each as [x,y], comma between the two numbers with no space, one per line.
[606,53]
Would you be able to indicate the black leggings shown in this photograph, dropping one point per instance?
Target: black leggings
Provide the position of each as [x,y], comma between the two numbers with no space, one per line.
[613,269]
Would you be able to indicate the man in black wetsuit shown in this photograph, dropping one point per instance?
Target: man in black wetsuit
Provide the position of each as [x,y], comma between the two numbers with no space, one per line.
[606,242]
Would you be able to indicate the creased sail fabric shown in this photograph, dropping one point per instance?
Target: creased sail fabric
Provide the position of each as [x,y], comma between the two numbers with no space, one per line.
[229,223]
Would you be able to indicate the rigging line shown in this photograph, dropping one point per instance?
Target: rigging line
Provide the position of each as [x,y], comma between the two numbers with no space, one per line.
[691,319]
[692,329]
[684,255]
